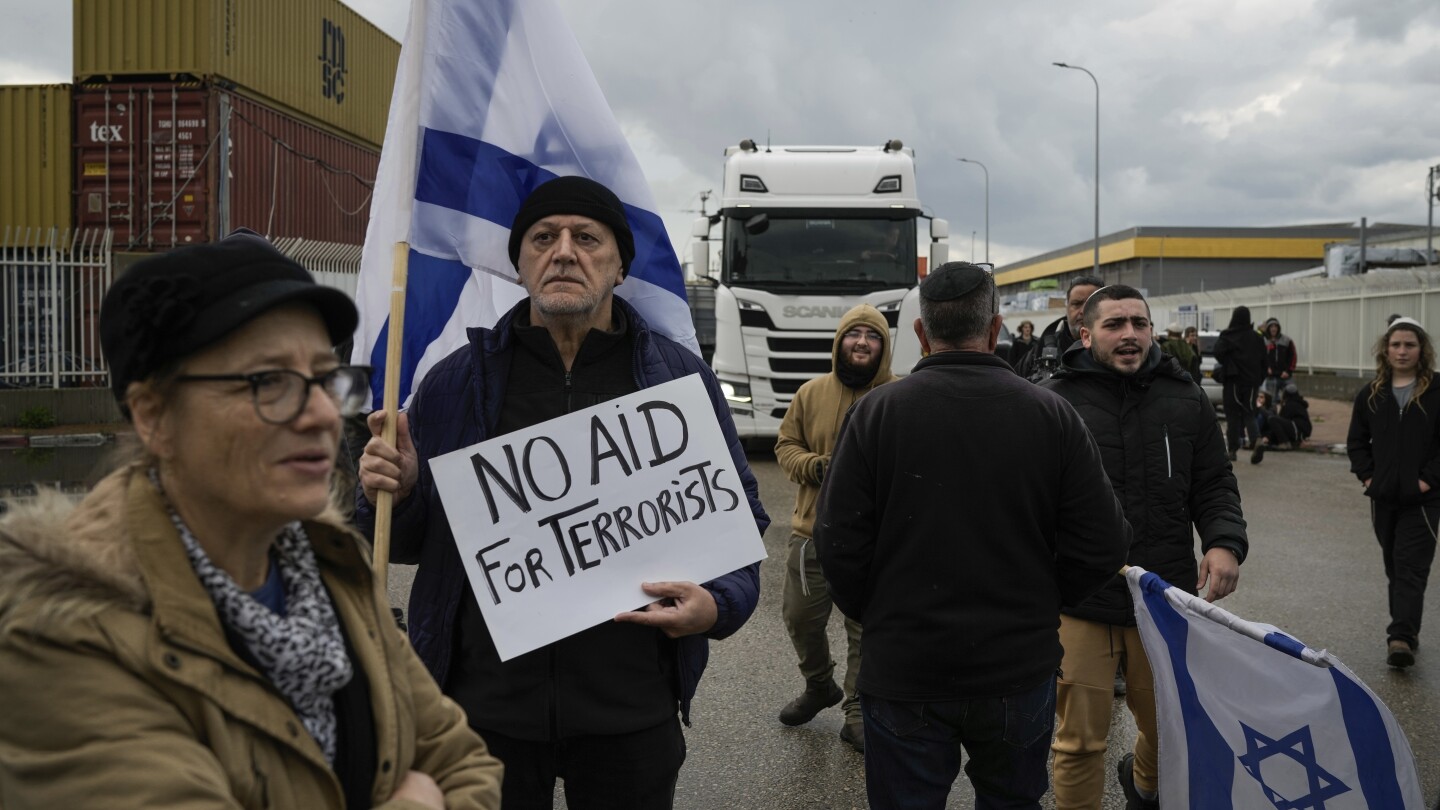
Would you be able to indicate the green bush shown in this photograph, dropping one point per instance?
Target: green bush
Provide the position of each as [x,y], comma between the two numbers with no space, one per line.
[37,418]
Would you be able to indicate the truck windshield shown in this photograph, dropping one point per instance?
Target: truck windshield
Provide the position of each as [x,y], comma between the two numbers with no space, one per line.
[821,252]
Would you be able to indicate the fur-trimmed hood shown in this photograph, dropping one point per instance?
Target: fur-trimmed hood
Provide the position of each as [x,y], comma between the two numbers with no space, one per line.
[68,561]
[62,561]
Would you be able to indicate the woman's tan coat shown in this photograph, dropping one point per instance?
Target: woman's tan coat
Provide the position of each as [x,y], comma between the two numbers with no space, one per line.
[118,688]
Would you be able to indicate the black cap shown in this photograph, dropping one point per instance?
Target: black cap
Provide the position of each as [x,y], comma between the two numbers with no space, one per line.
[952,280]
[169,306]
[579,196]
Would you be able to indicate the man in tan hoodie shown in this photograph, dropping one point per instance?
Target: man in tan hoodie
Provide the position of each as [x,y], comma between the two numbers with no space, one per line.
[807,435]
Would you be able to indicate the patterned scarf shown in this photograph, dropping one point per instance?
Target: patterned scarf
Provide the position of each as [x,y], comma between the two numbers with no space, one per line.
[302,652]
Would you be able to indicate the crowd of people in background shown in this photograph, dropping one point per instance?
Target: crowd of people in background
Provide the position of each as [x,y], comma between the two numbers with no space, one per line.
[208,612]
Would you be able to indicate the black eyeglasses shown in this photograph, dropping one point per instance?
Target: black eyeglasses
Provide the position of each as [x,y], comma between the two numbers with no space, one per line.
[279,395]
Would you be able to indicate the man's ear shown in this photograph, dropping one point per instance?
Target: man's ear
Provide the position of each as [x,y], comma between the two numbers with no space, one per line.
[1085,336]
[924,341]
[993,339]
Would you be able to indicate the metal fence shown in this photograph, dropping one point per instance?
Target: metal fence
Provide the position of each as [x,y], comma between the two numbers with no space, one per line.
[332,263]
[51,285]
[1333,321]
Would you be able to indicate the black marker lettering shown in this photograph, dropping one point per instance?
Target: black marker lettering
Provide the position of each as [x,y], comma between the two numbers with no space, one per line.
[666,513]
[487,567]
[648,408]
[602,533]
[530,471]
[622,519]
[700,469]
[534,561]
[597,429]
[511,488]
[645,526]
[554,523]
[630,442]
[715,482]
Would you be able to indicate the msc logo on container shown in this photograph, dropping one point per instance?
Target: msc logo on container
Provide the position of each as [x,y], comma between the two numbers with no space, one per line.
[814,312]
[332,62]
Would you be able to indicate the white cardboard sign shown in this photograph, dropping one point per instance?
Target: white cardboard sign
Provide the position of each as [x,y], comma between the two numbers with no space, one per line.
[559,523]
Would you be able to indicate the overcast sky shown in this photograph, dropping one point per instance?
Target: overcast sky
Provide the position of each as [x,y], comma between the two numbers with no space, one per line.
[1212,112]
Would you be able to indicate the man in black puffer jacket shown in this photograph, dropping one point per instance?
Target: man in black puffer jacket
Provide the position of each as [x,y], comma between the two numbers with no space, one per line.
[1164,455]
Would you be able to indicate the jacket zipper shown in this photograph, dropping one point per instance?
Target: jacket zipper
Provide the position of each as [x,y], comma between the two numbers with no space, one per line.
[1169,470]
[569,405]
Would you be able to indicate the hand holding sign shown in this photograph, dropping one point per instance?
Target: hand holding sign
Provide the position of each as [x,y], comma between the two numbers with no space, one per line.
[557,524]
[384,468]
[684,609]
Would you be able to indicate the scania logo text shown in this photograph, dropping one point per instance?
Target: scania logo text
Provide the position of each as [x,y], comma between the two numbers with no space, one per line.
[814,312]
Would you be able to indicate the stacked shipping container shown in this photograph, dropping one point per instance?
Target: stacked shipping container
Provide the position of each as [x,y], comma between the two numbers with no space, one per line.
[34,159]
[168,164]
[188,118]
[193,117]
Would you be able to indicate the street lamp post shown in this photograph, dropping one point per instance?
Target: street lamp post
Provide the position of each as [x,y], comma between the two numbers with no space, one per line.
[1097,157]
[987,203]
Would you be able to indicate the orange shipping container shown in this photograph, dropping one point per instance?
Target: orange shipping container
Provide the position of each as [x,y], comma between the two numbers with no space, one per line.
[34,157]
[312,58]
[172,164]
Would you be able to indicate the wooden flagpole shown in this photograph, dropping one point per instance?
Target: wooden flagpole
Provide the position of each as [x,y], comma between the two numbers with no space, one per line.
[390,401]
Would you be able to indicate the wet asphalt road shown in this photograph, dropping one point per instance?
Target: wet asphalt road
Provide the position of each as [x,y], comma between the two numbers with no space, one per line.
[1314,571]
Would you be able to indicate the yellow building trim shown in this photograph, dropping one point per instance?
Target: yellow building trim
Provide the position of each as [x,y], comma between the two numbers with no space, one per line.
[1183,247]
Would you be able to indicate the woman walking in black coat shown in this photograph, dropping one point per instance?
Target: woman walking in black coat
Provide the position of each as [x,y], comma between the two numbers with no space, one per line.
[1394,448]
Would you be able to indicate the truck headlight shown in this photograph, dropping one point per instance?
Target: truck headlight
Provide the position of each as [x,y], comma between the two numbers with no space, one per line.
[735,392]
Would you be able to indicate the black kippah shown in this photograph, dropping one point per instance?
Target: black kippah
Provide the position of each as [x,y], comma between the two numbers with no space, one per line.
[952,280]
[579,196]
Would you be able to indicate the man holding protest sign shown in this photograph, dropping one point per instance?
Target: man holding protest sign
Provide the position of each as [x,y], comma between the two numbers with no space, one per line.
[807,435]
[956,574]
[1166,457]
[597,708]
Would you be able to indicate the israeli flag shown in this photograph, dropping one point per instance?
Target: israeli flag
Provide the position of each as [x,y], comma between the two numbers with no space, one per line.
[492,98]
[1252,718]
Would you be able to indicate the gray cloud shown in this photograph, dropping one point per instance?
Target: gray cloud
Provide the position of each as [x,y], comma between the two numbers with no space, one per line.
[1213,112]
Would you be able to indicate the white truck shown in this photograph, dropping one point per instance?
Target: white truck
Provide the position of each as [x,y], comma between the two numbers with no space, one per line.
[805,233]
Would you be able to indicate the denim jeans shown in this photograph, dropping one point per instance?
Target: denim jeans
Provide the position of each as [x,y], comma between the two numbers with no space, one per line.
[913,750]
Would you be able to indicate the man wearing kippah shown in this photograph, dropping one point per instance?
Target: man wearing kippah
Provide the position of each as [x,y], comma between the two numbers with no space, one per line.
[597,709]
[958,576]
[1166,457]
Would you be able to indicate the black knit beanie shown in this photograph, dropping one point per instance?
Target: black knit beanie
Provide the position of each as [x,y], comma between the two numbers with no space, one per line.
[577,196]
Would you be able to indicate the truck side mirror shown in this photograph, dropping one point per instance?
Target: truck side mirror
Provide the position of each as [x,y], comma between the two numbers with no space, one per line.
[700,228]
[939,229]
[700,258]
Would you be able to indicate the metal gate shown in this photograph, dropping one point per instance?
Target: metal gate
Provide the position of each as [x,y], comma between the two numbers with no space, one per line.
[51,286]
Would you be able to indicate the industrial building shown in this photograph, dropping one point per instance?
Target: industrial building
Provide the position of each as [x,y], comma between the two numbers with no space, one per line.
[1170,260]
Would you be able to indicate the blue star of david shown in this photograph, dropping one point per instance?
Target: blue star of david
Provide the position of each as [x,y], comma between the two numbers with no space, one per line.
[1298,746]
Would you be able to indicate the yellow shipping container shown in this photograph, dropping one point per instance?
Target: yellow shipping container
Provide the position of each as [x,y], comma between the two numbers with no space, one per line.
[315,58]
[34,157]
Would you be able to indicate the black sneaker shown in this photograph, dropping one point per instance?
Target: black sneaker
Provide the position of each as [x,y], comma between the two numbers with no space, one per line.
[1125,772]
[803,709]
[1234,456]
[853,733]
[1258,454]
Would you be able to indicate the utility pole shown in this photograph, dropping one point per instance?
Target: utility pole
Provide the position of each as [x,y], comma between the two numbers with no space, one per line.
[1097,157]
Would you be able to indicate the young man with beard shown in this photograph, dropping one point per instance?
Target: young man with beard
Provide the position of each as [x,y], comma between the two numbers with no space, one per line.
[807,435]
[1163,452]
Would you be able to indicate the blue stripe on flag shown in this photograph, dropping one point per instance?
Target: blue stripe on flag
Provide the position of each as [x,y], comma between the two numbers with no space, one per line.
[1285,644]
[1370,742]
[432,289]
[1211,760]
[480,179]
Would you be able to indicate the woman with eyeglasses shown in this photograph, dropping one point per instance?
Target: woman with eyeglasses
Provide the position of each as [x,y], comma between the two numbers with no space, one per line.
[203,630]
